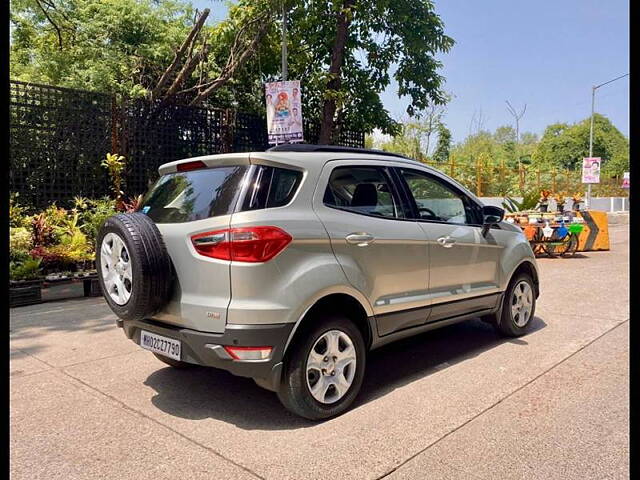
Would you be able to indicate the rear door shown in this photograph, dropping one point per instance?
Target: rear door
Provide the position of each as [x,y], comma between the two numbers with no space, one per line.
[188,203]
[383,253]
[463,264]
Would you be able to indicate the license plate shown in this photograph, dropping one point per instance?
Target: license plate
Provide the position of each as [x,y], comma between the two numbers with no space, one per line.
[159,344]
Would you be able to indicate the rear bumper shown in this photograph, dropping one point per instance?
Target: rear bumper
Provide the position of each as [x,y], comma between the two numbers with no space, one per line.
[206,349]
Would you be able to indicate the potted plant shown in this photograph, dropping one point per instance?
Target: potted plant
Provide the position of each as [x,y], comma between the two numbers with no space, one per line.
[25,284]
[560,199]
[577,201]
[543,202]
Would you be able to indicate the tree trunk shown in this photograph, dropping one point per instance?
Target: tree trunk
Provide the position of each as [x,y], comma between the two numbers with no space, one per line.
[335,71]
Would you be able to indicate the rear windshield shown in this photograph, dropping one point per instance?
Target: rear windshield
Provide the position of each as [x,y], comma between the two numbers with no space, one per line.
[188,196]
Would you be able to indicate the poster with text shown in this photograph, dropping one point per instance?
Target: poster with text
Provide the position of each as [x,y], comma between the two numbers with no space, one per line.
[284,111]
[591,170]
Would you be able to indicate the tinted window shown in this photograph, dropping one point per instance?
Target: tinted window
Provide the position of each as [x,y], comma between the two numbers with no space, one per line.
[271,187]
[435,200]
[187,196]
[364,190]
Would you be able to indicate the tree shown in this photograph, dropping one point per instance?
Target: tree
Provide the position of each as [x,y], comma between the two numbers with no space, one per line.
[119,46]
[443,147]
[563,146]
[140,48]
[343,52]
[415,136]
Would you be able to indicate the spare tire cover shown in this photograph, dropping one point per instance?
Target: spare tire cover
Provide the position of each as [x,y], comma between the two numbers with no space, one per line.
[134,268]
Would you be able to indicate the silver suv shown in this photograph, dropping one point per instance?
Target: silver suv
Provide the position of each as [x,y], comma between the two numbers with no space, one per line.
[288,266]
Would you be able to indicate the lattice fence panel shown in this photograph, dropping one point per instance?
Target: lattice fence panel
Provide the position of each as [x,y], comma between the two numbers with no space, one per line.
[150,139]
[58,137]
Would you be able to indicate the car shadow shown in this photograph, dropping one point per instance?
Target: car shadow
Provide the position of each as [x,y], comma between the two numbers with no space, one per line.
[198,393]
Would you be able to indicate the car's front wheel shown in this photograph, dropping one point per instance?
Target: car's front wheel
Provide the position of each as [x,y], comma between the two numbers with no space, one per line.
[323,371]
[518,307]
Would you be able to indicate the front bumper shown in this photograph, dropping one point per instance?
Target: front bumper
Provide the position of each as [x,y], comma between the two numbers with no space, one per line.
[206,349]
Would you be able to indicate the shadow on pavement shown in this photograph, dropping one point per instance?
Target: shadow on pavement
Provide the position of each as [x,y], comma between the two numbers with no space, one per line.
[198,393]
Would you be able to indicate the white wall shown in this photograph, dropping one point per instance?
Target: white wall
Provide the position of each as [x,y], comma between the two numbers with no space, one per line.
[606,204]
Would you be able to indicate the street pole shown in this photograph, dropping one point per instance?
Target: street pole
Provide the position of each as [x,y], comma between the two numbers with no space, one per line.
[593,102]
[284,42]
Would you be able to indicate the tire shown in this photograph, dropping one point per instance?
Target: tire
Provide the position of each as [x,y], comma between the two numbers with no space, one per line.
[507,325]
[142,257]
[295,389]
[557,246]
[171,362]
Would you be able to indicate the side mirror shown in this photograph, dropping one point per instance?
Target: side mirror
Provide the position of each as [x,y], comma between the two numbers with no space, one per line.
[491,216]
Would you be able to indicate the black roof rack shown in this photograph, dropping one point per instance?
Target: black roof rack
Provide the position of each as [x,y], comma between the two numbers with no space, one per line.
[308,147]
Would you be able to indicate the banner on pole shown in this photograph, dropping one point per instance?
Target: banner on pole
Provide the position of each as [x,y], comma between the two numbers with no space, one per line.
[284,111]
[591,170]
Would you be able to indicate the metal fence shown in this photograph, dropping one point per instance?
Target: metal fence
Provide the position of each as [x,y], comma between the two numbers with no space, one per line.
[59,136]
[487,178]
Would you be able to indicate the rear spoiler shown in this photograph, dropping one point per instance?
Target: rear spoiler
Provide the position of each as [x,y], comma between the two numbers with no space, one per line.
[208,161]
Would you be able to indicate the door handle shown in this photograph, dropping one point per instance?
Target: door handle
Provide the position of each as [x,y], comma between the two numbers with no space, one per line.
[360,239]
[446,242]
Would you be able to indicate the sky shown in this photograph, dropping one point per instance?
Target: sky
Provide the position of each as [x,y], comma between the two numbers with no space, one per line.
[546,54]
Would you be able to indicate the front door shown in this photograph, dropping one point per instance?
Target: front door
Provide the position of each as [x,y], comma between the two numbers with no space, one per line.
[382,251]
[463,264]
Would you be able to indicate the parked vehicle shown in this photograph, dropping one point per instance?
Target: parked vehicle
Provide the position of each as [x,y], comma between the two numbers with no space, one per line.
[290,265]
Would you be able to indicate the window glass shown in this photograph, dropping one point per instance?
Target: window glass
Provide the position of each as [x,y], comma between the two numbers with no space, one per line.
[194,195]
[271,187]
[434,200]
[365,190]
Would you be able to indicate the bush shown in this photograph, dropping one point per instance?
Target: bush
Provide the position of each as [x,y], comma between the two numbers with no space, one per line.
[29,269]
[56,239]
[92,214]
[20,242]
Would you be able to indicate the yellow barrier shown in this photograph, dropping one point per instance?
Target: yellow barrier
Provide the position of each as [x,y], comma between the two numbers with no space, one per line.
[595,234]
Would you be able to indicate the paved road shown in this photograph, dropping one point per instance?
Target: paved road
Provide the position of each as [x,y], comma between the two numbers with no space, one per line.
[457,403]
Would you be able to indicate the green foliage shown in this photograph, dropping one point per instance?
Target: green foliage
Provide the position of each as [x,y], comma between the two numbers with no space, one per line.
[58,239]
[416,137]
[116,46]
[73,248]
[528,202]
[405,33]
[20,242]
[114,164]
[27,269]
[563,146]
[124,46]
[443,148]
[92,215]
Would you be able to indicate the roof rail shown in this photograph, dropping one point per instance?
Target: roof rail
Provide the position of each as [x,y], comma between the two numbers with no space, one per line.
[308,147]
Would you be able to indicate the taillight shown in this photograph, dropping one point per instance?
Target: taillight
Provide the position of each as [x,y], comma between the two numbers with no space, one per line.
[188,166]
[251,244]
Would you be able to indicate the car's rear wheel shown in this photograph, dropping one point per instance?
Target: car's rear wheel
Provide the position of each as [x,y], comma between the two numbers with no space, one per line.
[323,372]
[518,306]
